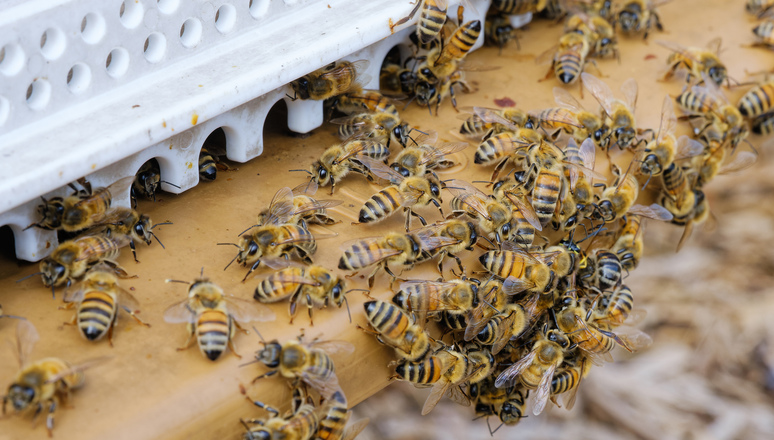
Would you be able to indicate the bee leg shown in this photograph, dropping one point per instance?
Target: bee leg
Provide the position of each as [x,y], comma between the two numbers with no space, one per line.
[134,251]
[190,341]
[110,332]
[270,373]
[133,314]
[50,417]
[233,349]
[310,306]
[252,268]
[372,275]
[292,304]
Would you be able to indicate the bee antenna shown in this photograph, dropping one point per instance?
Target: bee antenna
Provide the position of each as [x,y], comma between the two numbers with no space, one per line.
[263,341]
[251,227]
[303,171]
[224,244]
[254,361]
[169,183]
[409,102]
[481,181]
[176,281]
[29,276]
[232,260]
[650,175]
[346,303]
[157,239]
[160,224]
[13,316]
[53,292]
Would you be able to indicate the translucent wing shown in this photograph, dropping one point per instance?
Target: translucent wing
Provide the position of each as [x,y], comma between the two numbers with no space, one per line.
[572,393]
[601,91]
[560,117]
[739,161]
[588,153]
[180,312]
[438,390]
[324,381]
[428,138]
[714,45]
[244,310]
[709,86]
[469,195]
[687,147]
[127,301]
[508,377]
[26,337]
[504,333]
[543,391]
[369,251]
[314,205]
[433,243]
[509,246]
[436,154]
[478,319]
[630,92]
[78,368]
[121,186]
[74,294]
[281,207]
[654,211]
[493,117]
[118,240]
[309,188]
[335,347]
[356,428]
[678,48]
[565,99]
[381,170]
[668,122]
[526,209]
[632,339]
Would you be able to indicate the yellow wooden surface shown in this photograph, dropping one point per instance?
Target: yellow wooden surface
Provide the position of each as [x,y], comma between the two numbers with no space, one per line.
[149,390]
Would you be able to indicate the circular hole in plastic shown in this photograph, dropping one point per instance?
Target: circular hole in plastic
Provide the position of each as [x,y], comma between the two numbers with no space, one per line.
[78,78]
[155,46]
[225,18]
[52,43]
[5,110]
[11,59]
[92,28]
[168,6]
[117,62]
[130,13]
[258,8]
[38,94]
[191,32]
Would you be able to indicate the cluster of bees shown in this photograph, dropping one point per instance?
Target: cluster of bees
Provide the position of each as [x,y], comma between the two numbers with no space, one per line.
[764,32]
[549,300]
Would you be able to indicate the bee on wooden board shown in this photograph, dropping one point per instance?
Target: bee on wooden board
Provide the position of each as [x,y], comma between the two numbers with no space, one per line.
[396,329]
[696,61]
[344,157]
[623,129]
[635,16]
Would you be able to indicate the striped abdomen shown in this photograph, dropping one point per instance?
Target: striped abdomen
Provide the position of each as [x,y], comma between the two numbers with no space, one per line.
[387,319]
[696,102]
[461,42]
[95,248]
[208,169]
[565,380]
[96,314]
[758,100]
[334,422]
[424,372]
[494,149]
[213,331]
[503,264]
[608,270]
[592,340]
[84,212]
[674,179]
[763,124]
[279,285]
[619,306]
[545,194]
[518,7]
[302,238]
[765,32]
[431,21]
[380,205]
[523,232]
[474,126]
[302,425]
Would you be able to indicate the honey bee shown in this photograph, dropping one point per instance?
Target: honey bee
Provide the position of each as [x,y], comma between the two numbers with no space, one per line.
[148,180]
[714,162]
[629,244]
[696,61]
[493,300]
[397,80]
[598,30]
[763,124]
[394,328]
[618,200]
[520,270]
[678,196]
[401,249]
[133,225]
[698,215]
[71,259]
[424,158]
[369,101]
[665,148]
[511,322]
[332,80]
[297,207]
[462,235]
[621,113]
[603,270]
[758,7]
[431,20]
[637,16]
[340,159]
[428,93]
[98,299]
[591,125]
[568,379]
[314,285]
[492,216]
[270,243]
[383,126]
[535,371]
[558,119]
[484,122]
[617,307]
[546,190]
[518,7]
[524,220]
[430,297]
[568,58]
[44,384]
[83,209]
[308,362]
[764,34]
[301,424]
[498,31]
[593,341]
[213,317]
[506,147]
[405,192]
[333,426]
[757,100]
[459,371]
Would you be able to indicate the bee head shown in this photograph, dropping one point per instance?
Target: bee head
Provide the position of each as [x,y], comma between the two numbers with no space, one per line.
[143,228]
[628,20]
[21,396]
[321,173]
[337,293]
[53,272]
[270,355]
[473,235]
[717,74]
[301,87]
[435,190]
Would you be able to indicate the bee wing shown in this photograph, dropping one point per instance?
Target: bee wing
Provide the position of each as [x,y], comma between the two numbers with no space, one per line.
[127,301]
[547,56]
[26,337]
[668,122]
[430,244]
[572,393]
[654,211]
[508,377]
[370,254]
[356,428]
[601,91]
[335,347]
[428,138]
[317,204]
[677,48]
[687,147]
[713,89]
[309,188]
[78,368]
[504,333]
[180,312]
[714,44]
[244,310]
[121,186]
[478,319]
[565,99]
[74,293]
[381,170]
[493,117]
[587,171]
[281,207]
[438,390]
[469,195]
[632,339]
[361,127]
[442,150]
[739,161]
[526,210]
[558,117]
[321,379]
[543,391]
[630,92]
